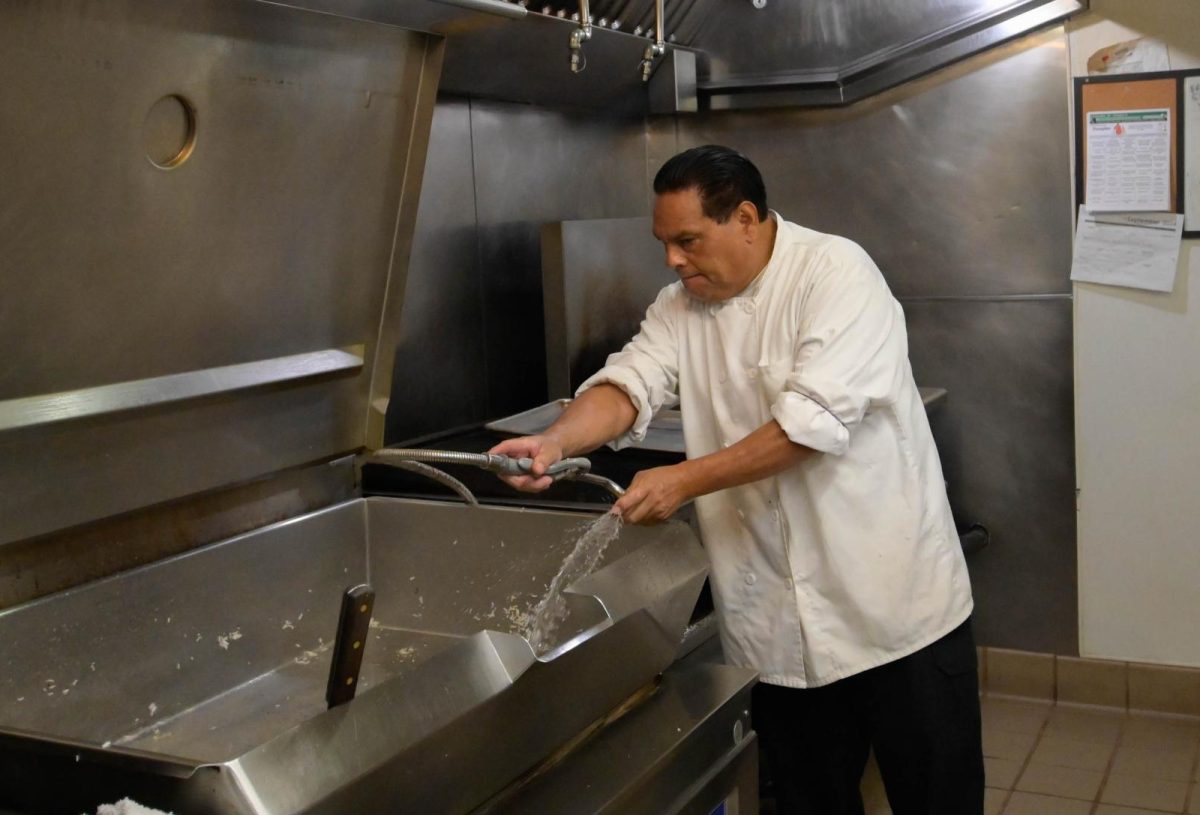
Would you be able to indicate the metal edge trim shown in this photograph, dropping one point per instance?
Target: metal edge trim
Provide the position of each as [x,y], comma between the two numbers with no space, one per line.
[33,411]
[497,7]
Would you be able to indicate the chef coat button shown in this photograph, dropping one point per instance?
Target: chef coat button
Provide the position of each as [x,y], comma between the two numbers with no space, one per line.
[741,514]
[791,584]
[751,578]
[748,307]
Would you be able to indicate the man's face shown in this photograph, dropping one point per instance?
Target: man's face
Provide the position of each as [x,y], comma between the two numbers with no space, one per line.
[715,261]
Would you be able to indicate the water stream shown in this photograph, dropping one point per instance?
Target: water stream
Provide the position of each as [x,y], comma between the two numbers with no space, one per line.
[551,610]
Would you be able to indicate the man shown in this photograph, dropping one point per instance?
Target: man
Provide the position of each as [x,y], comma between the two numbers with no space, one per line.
[836,569]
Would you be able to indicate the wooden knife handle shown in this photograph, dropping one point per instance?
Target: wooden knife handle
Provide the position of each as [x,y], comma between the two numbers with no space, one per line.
[353,624]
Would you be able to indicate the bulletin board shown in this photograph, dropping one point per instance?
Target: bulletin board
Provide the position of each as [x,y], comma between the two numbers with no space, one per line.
[1138,91]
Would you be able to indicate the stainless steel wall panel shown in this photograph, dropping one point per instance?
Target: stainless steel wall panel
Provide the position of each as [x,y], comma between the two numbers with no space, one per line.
[1005,434]
[440,377]
[957,184]
[599,277]
[534,166]
[274,237]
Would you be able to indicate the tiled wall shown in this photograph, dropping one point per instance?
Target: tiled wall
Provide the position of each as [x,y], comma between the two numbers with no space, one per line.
[1122,685]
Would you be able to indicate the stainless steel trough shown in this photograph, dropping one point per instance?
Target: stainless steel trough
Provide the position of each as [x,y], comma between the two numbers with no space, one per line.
[196,684]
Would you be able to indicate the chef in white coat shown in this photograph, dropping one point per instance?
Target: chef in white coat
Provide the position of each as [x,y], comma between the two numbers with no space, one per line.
[836,569]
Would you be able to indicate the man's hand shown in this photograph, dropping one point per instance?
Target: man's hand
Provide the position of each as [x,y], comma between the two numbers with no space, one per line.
[544,450]
[596,416]
[655,495]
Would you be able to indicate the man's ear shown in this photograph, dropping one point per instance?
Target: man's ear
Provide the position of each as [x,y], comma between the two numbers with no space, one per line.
[747,216]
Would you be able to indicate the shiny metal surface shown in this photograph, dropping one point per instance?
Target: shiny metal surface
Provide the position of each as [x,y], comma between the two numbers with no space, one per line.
[612,487]
[503,9]
[964,202]
[212,700]
[820,53]
[598,278]
[119,271]
[967,188]
[835,52]
[31,411]
[685,750]
[1005,433]
[496,173]
[567,469]
[673,86]
[439,377]
[534,166]
[658,47]
[527,61]
[41,566]
[582,33]
[441,477]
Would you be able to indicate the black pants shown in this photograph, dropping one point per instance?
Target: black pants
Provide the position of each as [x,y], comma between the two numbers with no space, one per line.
[920,714]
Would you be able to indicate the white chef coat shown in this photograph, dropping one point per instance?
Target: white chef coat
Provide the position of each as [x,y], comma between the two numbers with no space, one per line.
[849,559]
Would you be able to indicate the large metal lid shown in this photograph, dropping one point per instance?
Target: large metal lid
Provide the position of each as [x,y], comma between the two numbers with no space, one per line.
[206,205]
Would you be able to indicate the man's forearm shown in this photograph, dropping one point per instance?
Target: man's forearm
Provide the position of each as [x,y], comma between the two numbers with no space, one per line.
[598,415]
[657,493]
[762,454]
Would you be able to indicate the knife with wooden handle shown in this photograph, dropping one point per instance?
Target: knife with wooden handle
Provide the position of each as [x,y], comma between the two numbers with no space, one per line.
[353,624]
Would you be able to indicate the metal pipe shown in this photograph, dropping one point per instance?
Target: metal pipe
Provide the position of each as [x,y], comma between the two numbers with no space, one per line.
[657,48]
[440,476]
[600,481]
[497,7]
[417,460]
[579,36]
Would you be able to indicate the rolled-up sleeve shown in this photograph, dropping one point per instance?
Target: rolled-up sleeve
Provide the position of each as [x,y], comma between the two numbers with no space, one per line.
[850,353]
[647,368]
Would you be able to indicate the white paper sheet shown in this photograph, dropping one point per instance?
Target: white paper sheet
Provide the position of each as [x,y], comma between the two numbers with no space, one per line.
[1136,250]
[1138,56]
[1191,152]
[1129,160]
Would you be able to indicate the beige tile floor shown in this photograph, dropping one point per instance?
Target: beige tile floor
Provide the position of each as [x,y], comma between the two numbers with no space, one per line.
[1045,759]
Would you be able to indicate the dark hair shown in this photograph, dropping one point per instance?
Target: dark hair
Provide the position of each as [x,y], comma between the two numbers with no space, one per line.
[724,178]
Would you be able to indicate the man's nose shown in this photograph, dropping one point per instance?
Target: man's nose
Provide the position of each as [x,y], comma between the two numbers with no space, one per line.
[675,258]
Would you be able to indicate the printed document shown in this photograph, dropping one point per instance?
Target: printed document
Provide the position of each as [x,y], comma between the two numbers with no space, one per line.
[1137,250]
[1129,161]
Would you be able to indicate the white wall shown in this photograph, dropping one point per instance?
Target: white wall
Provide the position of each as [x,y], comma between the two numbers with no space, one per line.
[1137,385]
